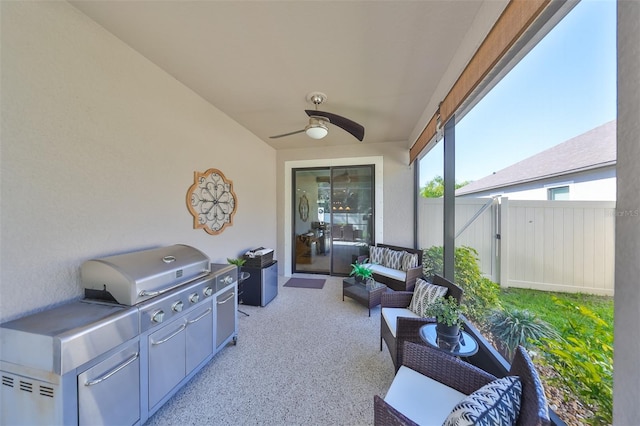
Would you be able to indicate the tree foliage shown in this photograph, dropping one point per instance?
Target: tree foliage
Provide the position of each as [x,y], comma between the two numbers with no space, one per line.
[435,187]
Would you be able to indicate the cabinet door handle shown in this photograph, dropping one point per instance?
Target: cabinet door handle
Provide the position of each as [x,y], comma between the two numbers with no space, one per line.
[204,314]
[171,336]
[110,373]
[227,299]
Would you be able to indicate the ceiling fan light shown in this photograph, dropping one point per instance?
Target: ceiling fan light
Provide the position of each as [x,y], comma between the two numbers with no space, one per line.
[316,131]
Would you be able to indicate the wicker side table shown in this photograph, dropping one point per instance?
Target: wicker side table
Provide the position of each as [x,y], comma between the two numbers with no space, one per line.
[368,295]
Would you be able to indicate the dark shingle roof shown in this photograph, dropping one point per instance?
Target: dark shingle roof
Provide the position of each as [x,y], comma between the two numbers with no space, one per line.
[590,150]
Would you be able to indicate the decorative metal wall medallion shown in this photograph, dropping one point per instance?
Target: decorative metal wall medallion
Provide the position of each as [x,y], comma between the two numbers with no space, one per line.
[211,201]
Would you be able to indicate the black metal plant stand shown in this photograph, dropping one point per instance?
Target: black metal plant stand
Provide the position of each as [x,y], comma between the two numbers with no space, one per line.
[241,278]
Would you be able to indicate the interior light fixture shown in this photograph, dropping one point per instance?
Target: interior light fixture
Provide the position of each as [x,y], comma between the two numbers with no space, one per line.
[316,129]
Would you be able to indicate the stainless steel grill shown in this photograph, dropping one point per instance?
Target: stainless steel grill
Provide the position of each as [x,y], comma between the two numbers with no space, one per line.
[132,278]
[149,321]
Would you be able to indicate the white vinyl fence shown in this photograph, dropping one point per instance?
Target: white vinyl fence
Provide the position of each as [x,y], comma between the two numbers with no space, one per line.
[480,234]
[565,246]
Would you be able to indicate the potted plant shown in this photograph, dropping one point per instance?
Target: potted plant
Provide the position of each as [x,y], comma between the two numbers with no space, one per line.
[361,271]
[238,262]
[447,313]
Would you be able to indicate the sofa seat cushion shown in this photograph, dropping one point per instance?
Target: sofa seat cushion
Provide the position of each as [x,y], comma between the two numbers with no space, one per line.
[395,274]
[390,316]
[420,398]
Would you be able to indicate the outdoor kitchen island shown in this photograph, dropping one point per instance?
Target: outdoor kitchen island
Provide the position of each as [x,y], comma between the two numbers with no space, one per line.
[149,322]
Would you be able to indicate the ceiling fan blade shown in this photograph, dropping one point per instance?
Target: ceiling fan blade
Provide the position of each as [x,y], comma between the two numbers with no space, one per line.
[344,123]
[286,134]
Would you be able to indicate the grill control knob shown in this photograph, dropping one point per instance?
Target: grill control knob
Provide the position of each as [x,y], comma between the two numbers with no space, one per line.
[177,307]
[208,291]
[157,316]
[193,298]
[227,280]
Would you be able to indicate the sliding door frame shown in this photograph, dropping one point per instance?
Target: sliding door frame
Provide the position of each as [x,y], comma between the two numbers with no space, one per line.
[311,191]
[285,238]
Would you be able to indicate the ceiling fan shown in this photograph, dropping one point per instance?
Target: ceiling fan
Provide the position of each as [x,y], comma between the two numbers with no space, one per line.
[318,120]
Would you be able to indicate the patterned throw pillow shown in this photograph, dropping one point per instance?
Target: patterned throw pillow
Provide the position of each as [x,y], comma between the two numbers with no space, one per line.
[393,259]
[409,260]
[425,294]
[496,403]
[376,254]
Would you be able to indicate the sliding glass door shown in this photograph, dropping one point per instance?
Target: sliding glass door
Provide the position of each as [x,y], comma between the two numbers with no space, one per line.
[351,215]
[333,212]
[311,245]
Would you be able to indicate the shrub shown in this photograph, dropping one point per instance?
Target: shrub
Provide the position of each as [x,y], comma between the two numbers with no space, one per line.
[480,293]
[432,261]
[583,360]
[513,327]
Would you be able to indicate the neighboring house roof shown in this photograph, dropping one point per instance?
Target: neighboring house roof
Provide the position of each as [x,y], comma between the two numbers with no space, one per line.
[593,149]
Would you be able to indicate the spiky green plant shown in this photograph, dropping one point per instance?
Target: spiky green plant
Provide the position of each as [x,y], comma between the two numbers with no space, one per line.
[238,261]
[361,270]
[513,327]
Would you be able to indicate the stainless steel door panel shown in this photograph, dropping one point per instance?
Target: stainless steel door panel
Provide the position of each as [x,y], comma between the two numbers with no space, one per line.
[269,284]
[166,360]
[109,392]
[226,315]
[199,336]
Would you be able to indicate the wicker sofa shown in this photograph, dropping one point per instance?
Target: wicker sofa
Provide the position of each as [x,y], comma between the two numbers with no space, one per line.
[397,279]
[431,382]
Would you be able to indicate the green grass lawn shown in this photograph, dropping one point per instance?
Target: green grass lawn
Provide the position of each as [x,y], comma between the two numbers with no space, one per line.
[583,358]
[542,304]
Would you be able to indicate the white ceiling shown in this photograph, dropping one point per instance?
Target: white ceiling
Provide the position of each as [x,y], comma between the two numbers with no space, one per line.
[383,64]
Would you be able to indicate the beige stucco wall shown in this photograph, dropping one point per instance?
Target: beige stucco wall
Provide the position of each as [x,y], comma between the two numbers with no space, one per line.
[626,376]
[99,147]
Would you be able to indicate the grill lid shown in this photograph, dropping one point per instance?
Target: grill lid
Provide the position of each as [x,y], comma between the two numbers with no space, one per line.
[132,278]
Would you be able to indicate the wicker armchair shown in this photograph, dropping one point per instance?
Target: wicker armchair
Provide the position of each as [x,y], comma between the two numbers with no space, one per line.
[466,378]
[407,328]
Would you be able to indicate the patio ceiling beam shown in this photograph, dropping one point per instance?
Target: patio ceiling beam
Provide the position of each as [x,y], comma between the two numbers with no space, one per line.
[516,18]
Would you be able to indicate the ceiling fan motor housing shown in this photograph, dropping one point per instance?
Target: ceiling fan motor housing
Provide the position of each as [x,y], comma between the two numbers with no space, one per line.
[317,127]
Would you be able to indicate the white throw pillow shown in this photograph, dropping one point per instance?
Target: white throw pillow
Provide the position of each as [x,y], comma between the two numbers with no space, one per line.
[393,259]
[409,260]
[495,404]
[425,294]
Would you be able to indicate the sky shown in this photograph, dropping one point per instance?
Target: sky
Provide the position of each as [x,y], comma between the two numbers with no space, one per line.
[564,87]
